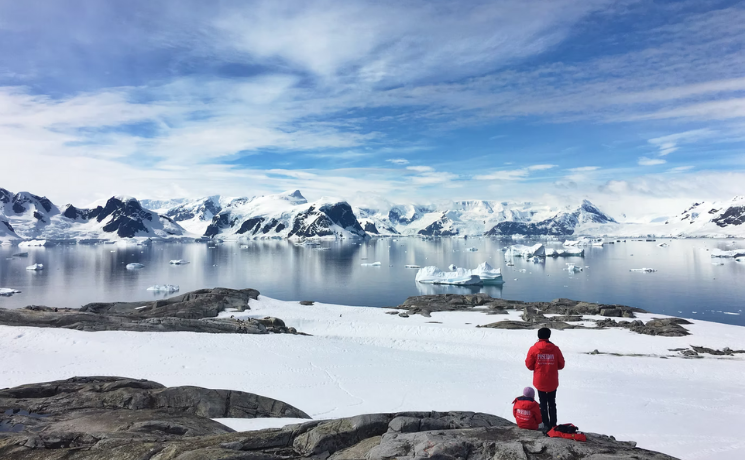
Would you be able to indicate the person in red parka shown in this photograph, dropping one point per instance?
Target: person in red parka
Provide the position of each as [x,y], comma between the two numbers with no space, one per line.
[545,360]
[526,411]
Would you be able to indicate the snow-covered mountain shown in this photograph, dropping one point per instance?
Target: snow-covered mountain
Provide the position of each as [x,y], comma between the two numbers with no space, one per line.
[285,215]
[714,218]
[193,215]
[479,217]
[24,215]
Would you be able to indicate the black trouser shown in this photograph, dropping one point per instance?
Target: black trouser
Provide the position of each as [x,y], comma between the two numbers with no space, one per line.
[548,407]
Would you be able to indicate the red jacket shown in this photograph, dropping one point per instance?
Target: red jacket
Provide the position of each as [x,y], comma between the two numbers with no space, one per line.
[527,413]
[545,360]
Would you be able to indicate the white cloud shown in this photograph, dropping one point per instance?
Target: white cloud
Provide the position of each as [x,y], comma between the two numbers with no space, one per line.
[680,169]
[585,169]
[398,161]
[420,168]
[644,161]
[513,174]
[668,144]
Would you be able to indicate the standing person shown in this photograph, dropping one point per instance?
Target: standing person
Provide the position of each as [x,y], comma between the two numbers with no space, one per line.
[545,360]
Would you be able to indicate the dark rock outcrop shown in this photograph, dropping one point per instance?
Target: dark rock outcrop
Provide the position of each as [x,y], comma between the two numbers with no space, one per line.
[192,312]
[562,311]
[168,433]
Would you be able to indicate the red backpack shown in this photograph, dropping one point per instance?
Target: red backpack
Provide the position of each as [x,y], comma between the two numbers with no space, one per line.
[567,431]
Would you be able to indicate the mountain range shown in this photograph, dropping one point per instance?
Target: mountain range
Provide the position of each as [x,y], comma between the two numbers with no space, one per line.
[24,215]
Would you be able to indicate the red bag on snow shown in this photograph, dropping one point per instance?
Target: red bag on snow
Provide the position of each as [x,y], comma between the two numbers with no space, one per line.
[567,431]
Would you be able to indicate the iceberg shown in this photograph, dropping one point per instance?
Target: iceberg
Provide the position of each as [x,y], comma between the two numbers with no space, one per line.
[134,266]
[643,270]
[716,252]
[373,264]
[179,262]
[7,292]
[459,277]
[35,267]
[164,288]
[519,250]
[33,243]
[486,273]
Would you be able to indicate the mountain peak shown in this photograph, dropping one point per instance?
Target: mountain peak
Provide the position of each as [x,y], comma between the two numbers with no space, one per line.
[294,197]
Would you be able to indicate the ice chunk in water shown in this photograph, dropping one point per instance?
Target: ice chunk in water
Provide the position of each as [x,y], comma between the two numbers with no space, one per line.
[134,266]
[459,277]
[472,249]
[519,250]
[163,288]
[179,262]
[412,266]
[373,264]
[7,292]
[35,267]
[643,270]
[452,267]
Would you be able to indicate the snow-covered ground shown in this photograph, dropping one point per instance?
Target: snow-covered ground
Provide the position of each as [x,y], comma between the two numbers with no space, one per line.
[362,360]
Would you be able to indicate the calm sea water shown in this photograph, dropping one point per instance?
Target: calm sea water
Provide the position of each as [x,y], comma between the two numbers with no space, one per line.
[687,282]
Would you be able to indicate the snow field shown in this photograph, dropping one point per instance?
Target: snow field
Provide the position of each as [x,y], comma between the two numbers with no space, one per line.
[362,360]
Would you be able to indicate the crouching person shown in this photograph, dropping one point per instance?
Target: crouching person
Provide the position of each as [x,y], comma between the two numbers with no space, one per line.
[527,412]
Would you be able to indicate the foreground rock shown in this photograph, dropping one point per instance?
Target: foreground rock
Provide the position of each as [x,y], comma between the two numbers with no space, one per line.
[563,313]
[97,418]
[192,312]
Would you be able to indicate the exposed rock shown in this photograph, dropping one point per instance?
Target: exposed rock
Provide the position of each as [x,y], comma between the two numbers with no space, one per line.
[192,312]
[306,302]
[167,435]
[667,327]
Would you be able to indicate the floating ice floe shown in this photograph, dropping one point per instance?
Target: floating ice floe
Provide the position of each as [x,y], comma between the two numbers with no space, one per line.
[179,262]
[135,266]
[33,243]
[459,277]
[35,267]
[663,245]
[164,288]
[716,252]
[7,292]
[372,264]
[244,246]
[643,270]
[717,263]
[412,266]
[21,254]
[573,268]
[472,249]
[519,250]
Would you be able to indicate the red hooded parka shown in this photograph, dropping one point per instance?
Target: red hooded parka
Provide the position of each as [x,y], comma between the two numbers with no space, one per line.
[545,360]
[527,413]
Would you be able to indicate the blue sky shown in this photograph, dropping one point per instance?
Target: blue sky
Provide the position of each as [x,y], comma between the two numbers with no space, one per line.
[637,105]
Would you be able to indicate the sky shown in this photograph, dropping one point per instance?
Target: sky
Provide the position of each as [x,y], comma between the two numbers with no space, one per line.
[638,106]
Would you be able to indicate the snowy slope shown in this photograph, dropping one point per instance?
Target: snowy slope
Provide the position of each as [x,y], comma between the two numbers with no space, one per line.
[285,215]
[361,360]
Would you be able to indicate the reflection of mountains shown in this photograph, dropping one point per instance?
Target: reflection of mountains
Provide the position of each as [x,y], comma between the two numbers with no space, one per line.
[434,289]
